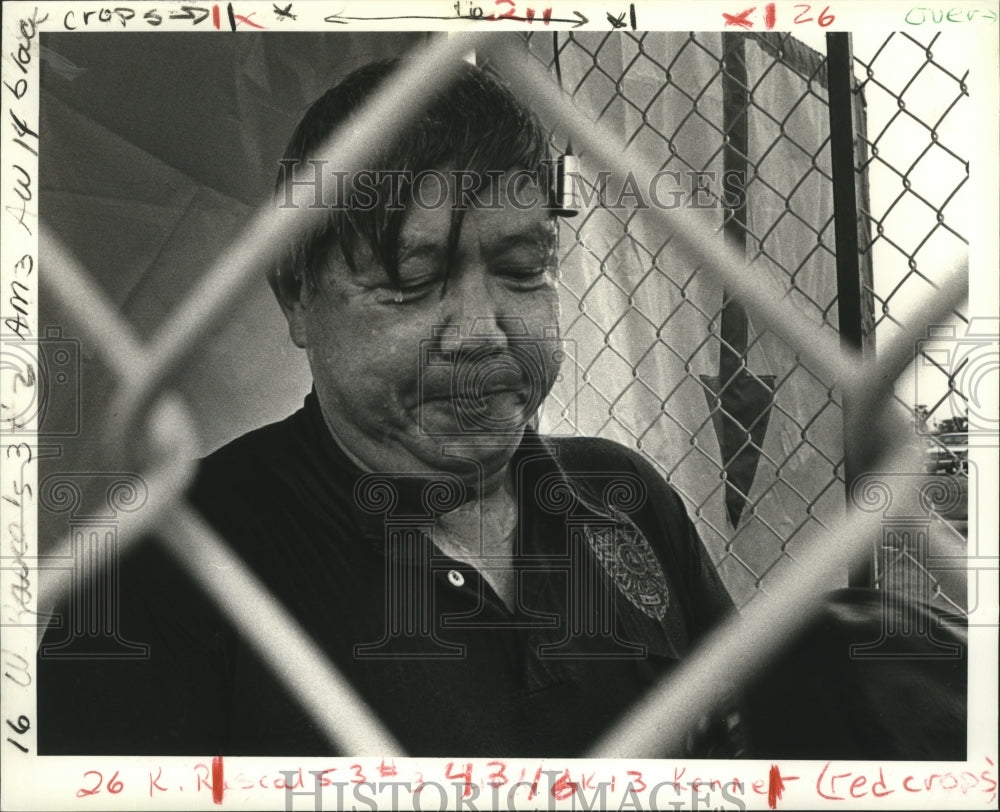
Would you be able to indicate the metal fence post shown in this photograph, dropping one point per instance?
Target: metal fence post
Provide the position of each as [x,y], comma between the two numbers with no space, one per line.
[840,73]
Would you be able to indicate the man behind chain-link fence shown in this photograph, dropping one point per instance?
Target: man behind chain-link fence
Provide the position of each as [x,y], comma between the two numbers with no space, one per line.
[487,590]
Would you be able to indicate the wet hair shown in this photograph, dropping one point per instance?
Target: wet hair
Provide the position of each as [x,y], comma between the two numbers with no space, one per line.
[475,124]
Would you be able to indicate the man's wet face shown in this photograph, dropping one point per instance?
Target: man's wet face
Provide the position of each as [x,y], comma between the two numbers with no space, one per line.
[459,355]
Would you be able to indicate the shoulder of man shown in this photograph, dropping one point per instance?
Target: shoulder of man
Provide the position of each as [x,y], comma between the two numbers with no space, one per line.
[252,472]
[268,444]
[659,513]
[583,458]
[594,455]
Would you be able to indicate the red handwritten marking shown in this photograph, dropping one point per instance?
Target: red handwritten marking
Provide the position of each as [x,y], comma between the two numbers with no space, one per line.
[234,18]
[820,779]
[215,16]
[246,19]
[155,782]
[739,20]
[775,786]
[563,787]
[533,789]
[218,780]
[509,13]
[498,777]
[769,16]
[297,782]
[465,775]
[547,16]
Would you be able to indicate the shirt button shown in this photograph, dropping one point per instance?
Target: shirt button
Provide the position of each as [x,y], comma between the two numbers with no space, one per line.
[456,578]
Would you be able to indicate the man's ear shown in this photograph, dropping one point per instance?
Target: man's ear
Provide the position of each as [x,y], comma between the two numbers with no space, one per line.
[293,297]
[292,293]
[295,315]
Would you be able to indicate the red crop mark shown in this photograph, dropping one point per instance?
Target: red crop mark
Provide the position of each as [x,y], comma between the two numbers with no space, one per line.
[775,786]
[770,17]
[215,16]
[235,19]
[218,780]
[739,20]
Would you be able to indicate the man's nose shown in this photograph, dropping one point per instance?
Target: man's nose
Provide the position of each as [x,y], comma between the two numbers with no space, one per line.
[476,314]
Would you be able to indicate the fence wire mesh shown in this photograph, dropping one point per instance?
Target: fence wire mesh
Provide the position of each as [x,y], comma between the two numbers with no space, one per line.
[908,152]
[749,433]
[732,416]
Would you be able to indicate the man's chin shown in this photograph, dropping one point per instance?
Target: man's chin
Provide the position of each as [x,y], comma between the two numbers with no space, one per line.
[471,455]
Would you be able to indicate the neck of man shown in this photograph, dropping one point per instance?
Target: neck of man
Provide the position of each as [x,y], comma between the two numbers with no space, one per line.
[483,527]
[481,533]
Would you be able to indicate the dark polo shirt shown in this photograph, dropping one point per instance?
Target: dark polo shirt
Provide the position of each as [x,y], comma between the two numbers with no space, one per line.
[614,587]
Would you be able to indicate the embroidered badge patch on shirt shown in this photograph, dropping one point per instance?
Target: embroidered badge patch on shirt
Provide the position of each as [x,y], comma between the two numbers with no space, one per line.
[627,557]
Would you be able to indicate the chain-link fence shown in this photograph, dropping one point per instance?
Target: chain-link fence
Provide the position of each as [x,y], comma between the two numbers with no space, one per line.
[732,390]
[748,433]
[910,155]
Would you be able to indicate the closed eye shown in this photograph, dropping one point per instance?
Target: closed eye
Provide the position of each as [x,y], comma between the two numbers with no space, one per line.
[525,277]
[409,291]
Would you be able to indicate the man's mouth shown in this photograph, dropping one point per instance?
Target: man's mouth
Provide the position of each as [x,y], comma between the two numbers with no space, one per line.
[480,395]
[477,390]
